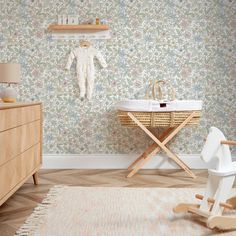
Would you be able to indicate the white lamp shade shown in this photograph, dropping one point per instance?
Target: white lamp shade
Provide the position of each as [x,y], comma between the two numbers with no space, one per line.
[9,73]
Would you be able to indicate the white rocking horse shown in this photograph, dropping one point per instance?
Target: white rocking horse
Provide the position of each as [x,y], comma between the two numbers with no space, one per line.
[219,184]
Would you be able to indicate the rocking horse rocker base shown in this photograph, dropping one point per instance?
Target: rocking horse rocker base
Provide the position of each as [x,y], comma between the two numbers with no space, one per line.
[220,222]
[215,201]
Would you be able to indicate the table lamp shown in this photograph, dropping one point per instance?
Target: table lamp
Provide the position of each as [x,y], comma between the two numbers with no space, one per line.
[10,74]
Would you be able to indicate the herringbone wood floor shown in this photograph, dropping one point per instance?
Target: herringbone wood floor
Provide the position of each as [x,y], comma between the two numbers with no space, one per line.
[16,209]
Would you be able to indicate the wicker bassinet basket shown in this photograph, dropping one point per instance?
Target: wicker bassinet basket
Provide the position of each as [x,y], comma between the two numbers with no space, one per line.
[159,119]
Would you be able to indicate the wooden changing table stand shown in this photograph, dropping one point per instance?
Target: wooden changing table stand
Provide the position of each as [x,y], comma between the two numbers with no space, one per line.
[172,121]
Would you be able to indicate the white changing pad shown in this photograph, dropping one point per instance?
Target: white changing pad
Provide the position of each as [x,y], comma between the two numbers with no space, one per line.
[157,106]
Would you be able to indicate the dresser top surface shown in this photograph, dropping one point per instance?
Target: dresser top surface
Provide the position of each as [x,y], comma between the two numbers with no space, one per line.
[17,104]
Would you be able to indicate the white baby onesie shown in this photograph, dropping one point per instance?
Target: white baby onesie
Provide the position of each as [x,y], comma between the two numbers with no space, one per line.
[85,67]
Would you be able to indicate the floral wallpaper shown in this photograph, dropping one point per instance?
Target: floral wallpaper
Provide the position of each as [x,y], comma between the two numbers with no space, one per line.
[190,44]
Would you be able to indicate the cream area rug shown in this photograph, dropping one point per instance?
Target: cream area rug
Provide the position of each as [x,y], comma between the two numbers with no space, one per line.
[105,211]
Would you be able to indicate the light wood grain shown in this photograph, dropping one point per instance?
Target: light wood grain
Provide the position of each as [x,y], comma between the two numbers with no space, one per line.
[211,200]
[183,207]
[199,212]
[79,27]
[41,133]
[18,104]
[162,144]
[144,155]
[16,170]
[222,222]
[17,140]
[232,202]
[11,117]
[36,178]
[228,142]
[148,154]
[20,146]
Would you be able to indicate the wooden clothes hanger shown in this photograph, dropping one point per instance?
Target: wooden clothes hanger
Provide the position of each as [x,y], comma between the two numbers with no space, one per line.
[85,43]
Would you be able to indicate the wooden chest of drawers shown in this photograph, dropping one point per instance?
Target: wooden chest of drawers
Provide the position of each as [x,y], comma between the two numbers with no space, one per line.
[20,145]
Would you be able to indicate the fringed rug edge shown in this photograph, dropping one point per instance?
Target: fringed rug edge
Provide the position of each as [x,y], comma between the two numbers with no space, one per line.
[37,216]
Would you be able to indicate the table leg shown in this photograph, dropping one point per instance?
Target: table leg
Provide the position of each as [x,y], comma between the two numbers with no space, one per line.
[151,148]
[140,164]
[163,143]
[148,154]
[179,162]
[144,155]
[35,178]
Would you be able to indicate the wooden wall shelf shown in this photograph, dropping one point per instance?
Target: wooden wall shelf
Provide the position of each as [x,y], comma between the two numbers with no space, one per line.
[55,27]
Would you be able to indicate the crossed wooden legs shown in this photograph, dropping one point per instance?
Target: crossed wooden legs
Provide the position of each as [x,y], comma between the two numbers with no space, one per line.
[154,148]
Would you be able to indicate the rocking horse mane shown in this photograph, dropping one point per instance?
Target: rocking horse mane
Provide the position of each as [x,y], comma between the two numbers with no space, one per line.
[213,149]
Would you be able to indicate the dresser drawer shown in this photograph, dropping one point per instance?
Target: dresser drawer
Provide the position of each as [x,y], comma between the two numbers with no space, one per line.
[18,168]
[14,117]
[15,141]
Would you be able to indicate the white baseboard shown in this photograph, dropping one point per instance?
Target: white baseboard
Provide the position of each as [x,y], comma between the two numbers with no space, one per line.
[116,161]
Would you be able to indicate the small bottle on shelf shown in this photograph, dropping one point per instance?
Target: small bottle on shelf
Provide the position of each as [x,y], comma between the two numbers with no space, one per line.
[97,21]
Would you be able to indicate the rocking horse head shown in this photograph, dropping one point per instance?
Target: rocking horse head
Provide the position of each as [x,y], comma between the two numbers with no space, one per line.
[213,149]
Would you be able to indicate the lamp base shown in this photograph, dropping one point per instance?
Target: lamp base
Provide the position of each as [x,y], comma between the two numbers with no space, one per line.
[6,99]
[8,95]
